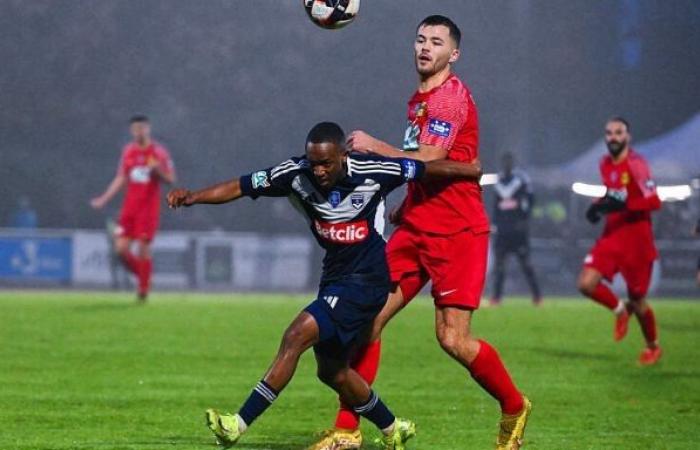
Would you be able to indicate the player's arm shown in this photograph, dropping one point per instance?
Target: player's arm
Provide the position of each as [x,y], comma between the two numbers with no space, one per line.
[272,182]
[225,192]
[362,142]
[649,200]
[446,169]
[114,187]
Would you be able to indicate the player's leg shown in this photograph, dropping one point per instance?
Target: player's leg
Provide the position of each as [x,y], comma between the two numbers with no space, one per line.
[638,279]
[523,254]
[601,264]
[145,268]
[409,279]
[122,245]
[457,266]
[499,270]
[356,392]
[299,336]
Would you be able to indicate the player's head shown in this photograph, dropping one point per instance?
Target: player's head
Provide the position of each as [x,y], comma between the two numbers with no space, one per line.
[617,135]
[507,162]
[325,151]
[436,45]
[140,128]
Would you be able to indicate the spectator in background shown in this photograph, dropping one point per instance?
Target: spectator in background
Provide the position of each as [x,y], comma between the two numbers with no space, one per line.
[24,216]
[511,217]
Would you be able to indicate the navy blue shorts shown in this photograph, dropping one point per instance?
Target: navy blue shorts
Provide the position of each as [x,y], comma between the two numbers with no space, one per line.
[344,312]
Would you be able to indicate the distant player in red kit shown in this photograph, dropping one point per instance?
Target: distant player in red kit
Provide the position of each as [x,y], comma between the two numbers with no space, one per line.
[442,236]
[143,166]
[627,244]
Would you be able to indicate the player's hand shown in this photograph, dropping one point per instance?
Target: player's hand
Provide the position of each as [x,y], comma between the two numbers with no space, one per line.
[395,216]
[361,142]
[180,197]
[152,162]
[98,203]
[593,213]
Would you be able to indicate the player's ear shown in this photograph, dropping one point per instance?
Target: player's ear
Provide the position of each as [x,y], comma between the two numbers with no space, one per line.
[454,56]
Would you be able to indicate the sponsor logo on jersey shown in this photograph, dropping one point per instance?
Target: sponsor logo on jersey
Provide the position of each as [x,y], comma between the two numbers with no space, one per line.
[140,174]
[439,127]
[342,233]
[259,180]
[334,198]
[357,200]
[409,169]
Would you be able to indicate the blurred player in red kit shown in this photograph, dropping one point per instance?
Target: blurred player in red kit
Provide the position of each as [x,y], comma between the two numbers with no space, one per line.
[442,236]
[627,243]
[144,165]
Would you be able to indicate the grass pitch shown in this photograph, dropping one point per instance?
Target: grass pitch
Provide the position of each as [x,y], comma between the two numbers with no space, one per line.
[96,371]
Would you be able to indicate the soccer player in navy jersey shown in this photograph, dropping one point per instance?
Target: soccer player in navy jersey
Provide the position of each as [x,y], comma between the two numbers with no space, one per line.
[341,195]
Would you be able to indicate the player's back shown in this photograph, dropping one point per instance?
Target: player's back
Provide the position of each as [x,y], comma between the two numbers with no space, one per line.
[447,117]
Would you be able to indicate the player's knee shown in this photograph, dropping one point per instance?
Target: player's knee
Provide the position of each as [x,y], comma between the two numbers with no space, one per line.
[450,341]
[585,286]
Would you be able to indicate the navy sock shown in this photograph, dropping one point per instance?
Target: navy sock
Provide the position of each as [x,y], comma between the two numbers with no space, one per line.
[258,401]
[376,412]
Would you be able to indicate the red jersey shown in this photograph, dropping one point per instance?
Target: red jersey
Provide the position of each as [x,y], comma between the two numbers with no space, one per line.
[143,184]
[630,180]
[445,117]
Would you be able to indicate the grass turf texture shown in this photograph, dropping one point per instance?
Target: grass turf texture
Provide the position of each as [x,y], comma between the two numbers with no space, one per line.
[96,371]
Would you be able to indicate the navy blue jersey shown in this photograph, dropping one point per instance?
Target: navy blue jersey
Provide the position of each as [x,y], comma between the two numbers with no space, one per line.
[348,220]
[514,201]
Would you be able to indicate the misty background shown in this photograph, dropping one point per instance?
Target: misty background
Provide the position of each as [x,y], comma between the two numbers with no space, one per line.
[234,85]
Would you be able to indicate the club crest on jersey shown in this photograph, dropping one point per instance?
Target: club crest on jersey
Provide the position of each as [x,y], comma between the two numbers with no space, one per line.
[421,109]
[625,178]
[259,180]
[357,200]
[439,127]
[334,198]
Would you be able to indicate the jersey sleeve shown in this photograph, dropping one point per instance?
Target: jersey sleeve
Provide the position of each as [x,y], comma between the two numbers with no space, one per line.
[121,168]
[164,159]
[641,175]
[390,173]
[272,182]
[447,113]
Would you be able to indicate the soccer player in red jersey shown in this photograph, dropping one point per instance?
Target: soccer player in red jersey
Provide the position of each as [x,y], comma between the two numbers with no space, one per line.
[627,243]
[442,236]
[144,165]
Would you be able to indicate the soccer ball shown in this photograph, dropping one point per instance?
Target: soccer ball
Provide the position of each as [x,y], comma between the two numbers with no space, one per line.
[332,14]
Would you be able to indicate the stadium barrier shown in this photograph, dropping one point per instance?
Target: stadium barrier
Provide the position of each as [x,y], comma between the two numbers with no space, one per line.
[219,261]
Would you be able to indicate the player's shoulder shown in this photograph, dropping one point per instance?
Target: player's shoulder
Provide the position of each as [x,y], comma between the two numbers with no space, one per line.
[605,160]
[289,166]
[160,149]
[365,166]
[455,87]
[520,173]
[636,158]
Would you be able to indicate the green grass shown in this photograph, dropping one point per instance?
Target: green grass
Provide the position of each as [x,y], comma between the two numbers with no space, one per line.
[95,371]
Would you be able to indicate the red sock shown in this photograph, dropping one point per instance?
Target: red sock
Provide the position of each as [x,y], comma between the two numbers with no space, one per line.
[366,364]
[603,295]
[488,370]
[145,275]
[648,322]
[131,262]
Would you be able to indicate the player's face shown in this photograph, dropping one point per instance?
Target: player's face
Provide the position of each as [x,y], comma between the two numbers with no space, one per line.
[140,131]
[434,49]
[327,161]
[616,137]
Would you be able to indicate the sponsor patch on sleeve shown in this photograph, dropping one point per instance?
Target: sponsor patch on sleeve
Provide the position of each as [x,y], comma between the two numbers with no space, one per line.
[439,127]
[259,180]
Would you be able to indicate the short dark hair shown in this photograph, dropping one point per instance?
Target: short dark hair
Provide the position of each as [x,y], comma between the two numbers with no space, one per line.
[621,120]
[326,132]
[437,19]
[139,118]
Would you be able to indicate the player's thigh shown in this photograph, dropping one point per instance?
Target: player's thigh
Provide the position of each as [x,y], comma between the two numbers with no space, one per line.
[330,369]
[146,226]
[302,333]
[637,276]
[604,258]
[122,244]
[456,265]
[402,254]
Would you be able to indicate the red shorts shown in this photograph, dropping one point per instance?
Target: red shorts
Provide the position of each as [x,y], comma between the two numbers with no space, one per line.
[609,257]
[455,263]
[140,226]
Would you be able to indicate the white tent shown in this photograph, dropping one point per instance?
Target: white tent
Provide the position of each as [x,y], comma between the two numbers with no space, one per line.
[674,157]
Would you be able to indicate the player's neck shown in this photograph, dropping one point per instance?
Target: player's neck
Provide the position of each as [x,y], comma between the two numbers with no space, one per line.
[145,144]
[621,156]
[430,82]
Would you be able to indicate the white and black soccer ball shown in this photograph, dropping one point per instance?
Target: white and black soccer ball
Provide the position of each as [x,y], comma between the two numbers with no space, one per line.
[332,14]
